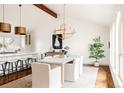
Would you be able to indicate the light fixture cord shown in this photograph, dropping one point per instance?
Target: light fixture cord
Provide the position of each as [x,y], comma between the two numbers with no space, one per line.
[64,19]
[20,14]
[3,22]
[3,12]
[64,13]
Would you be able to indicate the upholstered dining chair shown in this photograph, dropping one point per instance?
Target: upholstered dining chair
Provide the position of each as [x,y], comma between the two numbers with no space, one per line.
[45,75]
[71,70]
[81,66]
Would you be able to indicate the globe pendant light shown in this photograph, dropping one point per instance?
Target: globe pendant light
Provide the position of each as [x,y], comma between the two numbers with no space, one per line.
[5,27]
[19,30]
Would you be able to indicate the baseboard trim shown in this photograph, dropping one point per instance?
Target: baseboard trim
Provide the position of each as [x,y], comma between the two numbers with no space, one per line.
[94,66]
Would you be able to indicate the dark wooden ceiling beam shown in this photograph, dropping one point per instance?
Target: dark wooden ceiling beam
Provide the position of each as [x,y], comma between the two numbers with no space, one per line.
[46,9]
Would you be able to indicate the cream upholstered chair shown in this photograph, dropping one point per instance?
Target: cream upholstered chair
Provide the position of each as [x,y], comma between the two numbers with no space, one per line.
[81,65]
[71,71]
[46,76]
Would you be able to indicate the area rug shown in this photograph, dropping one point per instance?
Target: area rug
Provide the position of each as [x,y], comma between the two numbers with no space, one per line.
[86,80]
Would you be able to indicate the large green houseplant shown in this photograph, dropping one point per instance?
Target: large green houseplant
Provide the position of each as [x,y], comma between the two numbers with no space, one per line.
[96,50]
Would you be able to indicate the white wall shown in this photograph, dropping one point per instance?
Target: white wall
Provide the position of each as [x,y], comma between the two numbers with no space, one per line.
[41,25]
[85,32]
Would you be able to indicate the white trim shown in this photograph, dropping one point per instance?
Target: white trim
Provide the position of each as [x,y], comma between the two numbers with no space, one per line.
[117,81]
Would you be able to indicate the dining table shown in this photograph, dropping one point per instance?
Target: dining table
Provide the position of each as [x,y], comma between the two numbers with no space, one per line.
[58,61]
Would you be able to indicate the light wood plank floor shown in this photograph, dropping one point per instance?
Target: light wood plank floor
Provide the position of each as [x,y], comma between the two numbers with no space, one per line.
[104,78]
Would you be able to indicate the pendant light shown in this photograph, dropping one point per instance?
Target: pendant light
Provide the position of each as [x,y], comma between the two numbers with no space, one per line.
[64,29]
[19,30]
[4,27]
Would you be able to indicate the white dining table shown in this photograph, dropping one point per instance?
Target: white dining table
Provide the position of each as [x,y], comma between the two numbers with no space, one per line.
[58,61]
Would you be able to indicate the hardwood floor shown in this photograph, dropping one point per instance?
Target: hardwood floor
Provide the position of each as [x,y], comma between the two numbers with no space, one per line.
[103,80]
[14,76]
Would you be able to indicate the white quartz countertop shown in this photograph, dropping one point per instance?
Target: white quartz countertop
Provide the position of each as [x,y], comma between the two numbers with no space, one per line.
[17,54]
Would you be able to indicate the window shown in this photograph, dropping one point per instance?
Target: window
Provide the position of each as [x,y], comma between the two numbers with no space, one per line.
[121,74]
[117,48]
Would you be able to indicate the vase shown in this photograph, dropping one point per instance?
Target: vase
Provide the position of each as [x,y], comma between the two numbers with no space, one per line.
[96,64]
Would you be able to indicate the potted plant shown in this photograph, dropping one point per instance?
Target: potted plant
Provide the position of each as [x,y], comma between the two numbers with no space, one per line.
[96,50]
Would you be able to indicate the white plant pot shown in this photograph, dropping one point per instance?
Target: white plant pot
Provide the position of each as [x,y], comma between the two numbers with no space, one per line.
[96,64]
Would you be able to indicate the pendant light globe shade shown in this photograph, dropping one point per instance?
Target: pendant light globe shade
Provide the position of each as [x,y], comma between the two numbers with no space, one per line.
[5,27]
[20,30]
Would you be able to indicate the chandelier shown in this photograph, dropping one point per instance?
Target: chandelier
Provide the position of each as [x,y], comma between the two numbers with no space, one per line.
[64,29]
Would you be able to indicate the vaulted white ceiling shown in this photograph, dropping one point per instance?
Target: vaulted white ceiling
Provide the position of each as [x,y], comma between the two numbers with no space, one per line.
[96,13]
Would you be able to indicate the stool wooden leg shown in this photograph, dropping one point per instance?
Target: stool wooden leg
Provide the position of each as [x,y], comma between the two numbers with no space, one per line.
[12,67]
[16,66]
[9,70]
[3,68]
[22,65]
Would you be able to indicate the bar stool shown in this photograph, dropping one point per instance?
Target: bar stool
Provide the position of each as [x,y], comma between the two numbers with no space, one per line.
[3,66]
[20,64]
[23,62]
[16,65]
[4,72]
[30,59]
[11,67]
[34,57]
[12,64]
